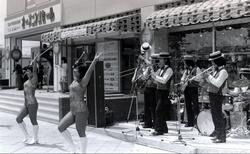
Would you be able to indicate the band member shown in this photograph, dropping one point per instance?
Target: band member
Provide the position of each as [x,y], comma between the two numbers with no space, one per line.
[162,78]
[137,79]
[150,94]
[78,109]
[217,86]
[190,89]
[30,104]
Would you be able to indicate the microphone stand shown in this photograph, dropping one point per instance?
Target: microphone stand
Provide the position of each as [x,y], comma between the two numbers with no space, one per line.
[180,138]
[134,94]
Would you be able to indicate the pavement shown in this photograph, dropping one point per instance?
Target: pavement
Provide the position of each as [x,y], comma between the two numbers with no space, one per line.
[50,140]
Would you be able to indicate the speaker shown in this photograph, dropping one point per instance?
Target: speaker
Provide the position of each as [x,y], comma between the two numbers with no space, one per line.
[95,97]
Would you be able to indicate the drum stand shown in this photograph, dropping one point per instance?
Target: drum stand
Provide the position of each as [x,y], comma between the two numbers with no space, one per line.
[180,138]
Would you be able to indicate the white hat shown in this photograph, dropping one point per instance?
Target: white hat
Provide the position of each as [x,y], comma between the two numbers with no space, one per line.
[145,46]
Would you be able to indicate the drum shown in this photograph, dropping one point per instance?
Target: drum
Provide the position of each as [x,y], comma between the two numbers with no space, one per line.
[205,123]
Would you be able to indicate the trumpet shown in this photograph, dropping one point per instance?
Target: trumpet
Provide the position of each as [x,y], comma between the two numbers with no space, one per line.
[208,70]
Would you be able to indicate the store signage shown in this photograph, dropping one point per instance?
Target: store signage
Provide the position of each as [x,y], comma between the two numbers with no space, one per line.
[73,32]
[16,54]
[35,19]
[111,60]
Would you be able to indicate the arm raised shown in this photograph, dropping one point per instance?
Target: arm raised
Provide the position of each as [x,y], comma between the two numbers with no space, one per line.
[86,78]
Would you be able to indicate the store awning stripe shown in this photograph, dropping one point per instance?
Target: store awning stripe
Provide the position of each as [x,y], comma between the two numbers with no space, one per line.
[130,23]
[198,12]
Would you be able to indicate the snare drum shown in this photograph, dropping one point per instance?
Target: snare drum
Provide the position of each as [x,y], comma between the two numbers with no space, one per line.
[205,123]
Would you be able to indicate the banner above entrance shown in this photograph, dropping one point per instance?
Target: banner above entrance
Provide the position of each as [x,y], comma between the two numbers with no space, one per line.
[198,11]
[130,23]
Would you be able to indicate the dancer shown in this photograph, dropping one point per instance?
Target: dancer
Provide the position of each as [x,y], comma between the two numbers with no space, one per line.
[217,86]
[162,78]
[78,109]
[30,104]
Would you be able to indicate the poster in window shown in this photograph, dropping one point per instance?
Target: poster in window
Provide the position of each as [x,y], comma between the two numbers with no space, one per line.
[111,60]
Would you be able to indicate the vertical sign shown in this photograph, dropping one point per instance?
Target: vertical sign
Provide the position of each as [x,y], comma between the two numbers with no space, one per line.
[111,59]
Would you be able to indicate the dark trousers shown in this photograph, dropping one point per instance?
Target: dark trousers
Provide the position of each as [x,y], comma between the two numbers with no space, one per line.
[217,115]
[149,106]
[161,110]
[192,105]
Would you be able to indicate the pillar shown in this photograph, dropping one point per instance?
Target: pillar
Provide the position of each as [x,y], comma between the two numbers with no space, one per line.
[57,66]
[157,38]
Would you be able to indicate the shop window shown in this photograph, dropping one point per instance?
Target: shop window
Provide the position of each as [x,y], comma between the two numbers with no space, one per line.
[195,42]
[234,42]
[129,51]
[30,3]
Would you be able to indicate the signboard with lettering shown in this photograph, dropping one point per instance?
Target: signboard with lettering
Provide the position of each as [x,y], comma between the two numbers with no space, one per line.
[111,58]
[35,19]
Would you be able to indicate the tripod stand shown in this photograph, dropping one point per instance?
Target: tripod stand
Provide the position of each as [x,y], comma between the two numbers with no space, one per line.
[180,138]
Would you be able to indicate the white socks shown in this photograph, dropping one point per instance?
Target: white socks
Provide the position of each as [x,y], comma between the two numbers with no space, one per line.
[24,130]
[34,140]
[69,140]
[83,144]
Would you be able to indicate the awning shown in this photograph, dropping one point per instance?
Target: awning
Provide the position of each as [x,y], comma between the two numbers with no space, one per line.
[200,11]
[130,23]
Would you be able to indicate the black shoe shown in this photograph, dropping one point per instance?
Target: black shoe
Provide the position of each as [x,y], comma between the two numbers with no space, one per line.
[219,141]
[213,134]
[156,133]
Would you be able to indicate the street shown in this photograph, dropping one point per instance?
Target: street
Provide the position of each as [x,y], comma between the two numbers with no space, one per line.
[52,142]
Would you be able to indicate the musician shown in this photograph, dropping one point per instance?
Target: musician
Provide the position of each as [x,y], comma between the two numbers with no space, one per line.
[217,86]
[150,93]
[138,78]
[162,78]
[190,89]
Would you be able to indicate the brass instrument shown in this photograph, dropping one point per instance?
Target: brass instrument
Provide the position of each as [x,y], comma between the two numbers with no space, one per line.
[184,85]
[208,70]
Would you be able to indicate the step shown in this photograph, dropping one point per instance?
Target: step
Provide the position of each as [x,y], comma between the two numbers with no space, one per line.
[40,108]
[20,100]
[40,115]
[21,95]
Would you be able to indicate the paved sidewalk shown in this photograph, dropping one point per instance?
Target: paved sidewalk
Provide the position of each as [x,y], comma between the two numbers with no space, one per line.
[52,142]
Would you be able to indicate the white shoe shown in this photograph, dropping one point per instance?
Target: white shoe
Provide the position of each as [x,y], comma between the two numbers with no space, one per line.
[83,144]
[34,140]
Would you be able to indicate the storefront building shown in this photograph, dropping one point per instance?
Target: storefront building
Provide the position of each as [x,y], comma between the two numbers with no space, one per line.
[27,20]
[116,27]
[196,27]
[199,27]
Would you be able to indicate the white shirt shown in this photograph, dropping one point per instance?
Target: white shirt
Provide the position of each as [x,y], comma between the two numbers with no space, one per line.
[164,79]
[223,75]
